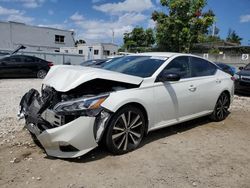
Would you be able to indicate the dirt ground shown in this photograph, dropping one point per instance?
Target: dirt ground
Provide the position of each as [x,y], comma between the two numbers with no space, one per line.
[199,153]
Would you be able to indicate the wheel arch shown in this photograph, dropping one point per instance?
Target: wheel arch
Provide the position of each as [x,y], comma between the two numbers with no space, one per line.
[226,91]
[143,109]
[139,106]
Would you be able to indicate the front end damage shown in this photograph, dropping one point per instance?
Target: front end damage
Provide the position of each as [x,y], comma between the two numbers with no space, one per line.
[64,127]
[67,118]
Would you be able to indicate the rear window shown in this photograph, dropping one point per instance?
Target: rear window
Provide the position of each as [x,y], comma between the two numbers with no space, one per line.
[201,67]
[30,59]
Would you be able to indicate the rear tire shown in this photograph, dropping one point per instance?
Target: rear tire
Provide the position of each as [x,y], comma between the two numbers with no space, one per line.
[221,108]
[126,130]
[41,74]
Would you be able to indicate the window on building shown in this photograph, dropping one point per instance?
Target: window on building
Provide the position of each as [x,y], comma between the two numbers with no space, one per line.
[106,52]
[66,51]
[59,38]
[80,51]
[96,52]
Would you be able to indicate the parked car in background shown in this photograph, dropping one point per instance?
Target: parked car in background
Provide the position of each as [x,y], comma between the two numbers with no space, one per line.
[119,103]
[93,62]
[99,62]
[227,68]
[23,66]
[242,80]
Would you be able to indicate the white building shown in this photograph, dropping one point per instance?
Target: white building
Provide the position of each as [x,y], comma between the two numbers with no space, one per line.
[34,38]
[93,51]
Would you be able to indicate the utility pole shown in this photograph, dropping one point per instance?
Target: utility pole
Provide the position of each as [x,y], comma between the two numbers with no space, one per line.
[213,30]
[113,36]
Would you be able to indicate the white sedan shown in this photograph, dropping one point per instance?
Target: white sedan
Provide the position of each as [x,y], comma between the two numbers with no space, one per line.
[118,104]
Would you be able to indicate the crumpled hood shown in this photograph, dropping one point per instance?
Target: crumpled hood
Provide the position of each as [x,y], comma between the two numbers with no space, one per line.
[66,77]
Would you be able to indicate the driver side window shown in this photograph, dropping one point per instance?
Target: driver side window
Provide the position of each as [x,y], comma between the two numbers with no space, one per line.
[180,66]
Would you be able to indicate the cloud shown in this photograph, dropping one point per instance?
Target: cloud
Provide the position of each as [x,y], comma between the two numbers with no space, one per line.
[57,26]
[245,18]
[20,18]
[27,3]
[101,30]
[97,1]
[5,11]
[151,24]
[14,15]
[77,17]
[125,6]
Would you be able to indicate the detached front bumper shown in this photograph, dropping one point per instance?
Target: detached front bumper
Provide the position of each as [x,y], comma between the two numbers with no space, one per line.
[69,140]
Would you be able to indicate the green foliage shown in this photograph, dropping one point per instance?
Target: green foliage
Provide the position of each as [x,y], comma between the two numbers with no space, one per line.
[214,51]
[80,41]
[138,40]
[184,25]
[233,37]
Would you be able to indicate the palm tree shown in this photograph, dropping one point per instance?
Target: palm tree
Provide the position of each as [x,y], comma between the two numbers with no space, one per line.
[233,37]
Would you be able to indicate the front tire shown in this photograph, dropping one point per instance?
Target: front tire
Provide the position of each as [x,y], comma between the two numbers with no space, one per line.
[221,108]
[126,130]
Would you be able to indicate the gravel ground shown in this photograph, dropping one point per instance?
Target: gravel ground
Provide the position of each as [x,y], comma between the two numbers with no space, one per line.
[199,153]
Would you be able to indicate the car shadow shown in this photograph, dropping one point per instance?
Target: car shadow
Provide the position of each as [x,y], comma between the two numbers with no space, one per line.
[241,94]
[101,152]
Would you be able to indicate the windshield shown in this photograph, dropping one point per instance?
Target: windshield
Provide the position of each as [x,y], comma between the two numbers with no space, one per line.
[247,67]
[142,66]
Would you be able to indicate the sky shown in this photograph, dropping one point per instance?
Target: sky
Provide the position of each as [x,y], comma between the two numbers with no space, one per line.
[96,20]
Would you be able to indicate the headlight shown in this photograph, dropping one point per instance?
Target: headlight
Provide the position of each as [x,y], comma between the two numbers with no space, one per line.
[82,106]
[236,76]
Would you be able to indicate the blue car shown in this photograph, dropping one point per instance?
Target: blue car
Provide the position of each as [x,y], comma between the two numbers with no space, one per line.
[227,68]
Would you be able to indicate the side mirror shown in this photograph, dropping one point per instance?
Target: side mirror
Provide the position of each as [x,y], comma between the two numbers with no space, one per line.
[168,77]
[241,68]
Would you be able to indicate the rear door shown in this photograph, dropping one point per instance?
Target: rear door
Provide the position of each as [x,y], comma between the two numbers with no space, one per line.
[206,84]
[30,65]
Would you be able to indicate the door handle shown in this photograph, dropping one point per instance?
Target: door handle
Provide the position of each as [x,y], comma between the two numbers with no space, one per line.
[218,81]
[192,88]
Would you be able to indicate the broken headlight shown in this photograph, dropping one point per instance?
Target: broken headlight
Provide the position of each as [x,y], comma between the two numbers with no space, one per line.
[82,106]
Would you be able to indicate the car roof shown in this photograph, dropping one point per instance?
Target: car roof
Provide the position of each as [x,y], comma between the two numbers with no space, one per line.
[162,54]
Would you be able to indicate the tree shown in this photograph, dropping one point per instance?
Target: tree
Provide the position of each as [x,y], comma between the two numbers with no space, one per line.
[149,38]
[138,39]
[183,25]
[80,41]
[233,37]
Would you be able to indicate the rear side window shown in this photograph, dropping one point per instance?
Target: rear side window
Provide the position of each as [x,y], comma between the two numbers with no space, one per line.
[179,66]
[201,67]
[29,59]
[15,59]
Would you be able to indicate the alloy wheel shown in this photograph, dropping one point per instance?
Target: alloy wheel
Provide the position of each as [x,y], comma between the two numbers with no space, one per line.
[222,106]
[128,130]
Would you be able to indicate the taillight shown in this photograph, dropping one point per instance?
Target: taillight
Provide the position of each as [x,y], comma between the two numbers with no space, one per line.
[233,78]
[50,64]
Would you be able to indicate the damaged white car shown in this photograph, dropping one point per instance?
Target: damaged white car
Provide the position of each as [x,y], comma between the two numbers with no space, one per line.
[120,103]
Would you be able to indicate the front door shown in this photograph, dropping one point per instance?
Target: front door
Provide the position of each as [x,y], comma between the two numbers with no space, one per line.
[174,100]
